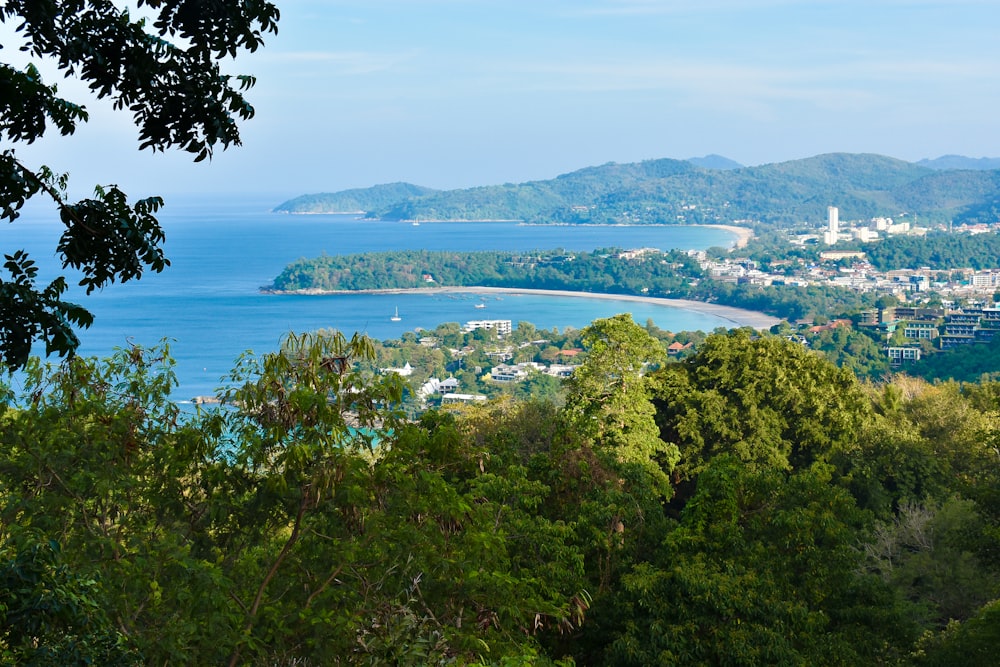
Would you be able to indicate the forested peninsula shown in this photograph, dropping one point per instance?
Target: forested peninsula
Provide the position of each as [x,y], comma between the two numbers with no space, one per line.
[666,191]
[671,275]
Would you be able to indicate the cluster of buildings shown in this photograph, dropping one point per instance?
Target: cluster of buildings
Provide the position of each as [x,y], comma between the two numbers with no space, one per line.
[866,233]
[938,327]
[859,276]
[501,373]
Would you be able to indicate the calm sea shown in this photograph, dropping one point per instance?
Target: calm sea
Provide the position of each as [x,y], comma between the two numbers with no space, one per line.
[208,303]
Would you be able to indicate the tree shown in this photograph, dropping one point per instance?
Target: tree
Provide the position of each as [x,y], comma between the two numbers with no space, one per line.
[49,615]
[165,70]
[608,396]
[762,570]
[769,402]
[305,523]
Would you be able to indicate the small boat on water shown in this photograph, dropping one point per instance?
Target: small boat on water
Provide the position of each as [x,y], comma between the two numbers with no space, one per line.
[395,317]
[480,305]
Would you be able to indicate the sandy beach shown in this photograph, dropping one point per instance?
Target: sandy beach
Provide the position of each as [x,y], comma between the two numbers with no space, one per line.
[743,234]
[738,316]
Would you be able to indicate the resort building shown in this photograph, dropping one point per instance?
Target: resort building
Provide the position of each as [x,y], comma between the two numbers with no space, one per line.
[502,327]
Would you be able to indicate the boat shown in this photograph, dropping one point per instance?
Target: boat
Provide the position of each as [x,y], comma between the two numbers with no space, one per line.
[480,305]
[396,317]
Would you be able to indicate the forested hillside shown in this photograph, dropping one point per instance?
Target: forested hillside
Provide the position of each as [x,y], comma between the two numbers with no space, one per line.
[671,275]
[667,191]
[940,252]
[753,503]
[599,271]
[354,201]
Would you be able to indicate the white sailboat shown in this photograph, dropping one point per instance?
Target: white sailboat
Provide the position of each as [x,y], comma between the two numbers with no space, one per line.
[396,317]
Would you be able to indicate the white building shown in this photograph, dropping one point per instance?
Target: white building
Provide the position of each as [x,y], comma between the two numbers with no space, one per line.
[864,234]
[832,233]
[405,371]
[898,355]
[436,386]
[502,327]
[985,280]
[882,224]
[515,373]
[561,370]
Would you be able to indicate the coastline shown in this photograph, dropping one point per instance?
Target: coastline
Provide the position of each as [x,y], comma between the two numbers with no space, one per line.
[743,234]
[738,316]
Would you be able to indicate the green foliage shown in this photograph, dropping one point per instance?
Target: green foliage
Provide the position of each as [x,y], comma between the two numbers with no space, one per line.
[50,615]
[599,271]
[785,301]
[852,349]
[306,521]
[609,397]
[924,553]
[678,192]
[965,363]
[354,201]
[973,643]
[925,442]
[762,570]
[95,459]
[939,251]
[166,73]
[768,402]
[30,314]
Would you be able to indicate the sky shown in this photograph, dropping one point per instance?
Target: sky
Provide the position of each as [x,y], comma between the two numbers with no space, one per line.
[462,93]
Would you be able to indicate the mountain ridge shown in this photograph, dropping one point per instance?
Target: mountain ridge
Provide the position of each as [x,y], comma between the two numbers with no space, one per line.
[668,191]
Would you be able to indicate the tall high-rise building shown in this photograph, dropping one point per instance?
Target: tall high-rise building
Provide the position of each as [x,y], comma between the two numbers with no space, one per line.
[831,235]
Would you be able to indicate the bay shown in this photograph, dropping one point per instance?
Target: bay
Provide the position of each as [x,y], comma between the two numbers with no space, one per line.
[209,307]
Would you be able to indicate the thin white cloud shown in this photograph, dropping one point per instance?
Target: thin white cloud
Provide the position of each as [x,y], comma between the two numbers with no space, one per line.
[344,63]
[658,7]
[730,77]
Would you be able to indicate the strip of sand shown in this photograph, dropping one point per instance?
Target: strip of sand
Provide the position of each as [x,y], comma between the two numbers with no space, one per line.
[738,316]
[743,234]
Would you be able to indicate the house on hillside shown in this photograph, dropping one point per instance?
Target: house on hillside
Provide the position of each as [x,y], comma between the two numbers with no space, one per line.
[676,348]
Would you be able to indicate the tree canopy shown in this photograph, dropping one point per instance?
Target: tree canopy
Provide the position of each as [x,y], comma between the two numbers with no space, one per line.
[162,67]
[810,519]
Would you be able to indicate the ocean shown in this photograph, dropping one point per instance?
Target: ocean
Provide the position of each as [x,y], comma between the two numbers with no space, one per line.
[209,306]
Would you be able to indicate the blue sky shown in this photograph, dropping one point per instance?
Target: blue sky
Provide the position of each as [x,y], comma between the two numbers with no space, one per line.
[453,93]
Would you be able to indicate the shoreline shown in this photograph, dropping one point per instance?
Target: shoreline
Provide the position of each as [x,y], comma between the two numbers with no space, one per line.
[737,316]
[743,234]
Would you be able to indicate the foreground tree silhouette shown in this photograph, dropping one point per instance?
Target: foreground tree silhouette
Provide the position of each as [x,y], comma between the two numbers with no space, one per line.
[165,71]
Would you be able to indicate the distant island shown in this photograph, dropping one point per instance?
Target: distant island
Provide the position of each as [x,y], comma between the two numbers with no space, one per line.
[709,190]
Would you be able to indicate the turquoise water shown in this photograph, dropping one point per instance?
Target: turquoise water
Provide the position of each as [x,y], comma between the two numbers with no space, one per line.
[209,304]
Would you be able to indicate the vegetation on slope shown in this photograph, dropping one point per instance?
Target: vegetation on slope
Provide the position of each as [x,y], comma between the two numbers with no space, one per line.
[752,502]
[354,201]
[599,271]
[670,275]
[674,191]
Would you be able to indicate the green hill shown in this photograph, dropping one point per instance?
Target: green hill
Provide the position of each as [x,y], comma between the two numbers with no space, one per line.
[353,201]
[681,192]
